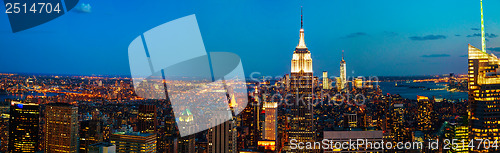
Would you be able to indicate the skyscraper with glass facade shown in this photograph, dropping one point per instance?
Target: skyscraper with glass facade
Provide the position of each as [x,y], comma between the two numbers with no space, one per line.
[24,127]
[484,95]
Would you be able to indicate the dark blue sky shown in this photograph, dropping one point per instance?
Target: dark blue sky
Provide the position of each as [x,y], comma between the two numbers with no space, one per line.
[389,37]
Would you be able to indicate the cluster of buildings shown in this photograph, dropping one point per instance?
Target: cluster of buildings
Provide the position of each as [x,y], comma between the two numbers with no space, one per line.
[97,117]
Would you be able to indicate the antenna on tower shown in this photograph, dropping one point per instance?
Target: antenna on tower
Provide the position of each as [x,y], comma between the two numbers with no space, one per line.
[483,39]
[342,54]
[301,18]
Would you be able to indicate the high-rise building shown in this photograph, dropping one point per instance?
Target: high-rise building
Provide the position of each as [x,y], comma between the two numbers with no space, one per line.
[343,74]
[90,133]
[61,125]
[134,142]
[222,138]
[24,127]
[424,116]
[167,135]
[484,94]
[271,131]
[146,119]
[187,143]
[338,84]
[326,82]
[4,132]
[359,82]
[398,123]
[248,136]
[458,132]
[301,87]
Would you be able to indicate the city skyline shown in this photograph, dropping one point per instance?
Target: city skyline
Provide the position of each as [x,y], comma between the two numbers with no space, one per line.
[414,41]
[338,105]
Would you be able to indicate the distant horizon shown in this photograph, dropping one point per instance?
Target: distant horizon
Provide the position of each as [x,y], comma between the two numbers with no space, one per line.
[260,76]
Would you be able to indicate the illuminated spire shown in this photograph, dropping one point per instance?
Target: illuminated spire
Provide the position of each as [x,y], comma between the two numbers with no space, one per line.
[302,43]
[483,40]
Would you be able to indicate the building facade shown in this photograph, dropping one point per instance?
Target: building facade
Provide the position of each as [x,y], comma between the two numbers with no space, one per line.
[271,124]
[301,87]
[90,133]
[343,74]
[23,127]
[326,81]
[146,118]
[484,94]
[222,138]
[61,124]
[424,116]
[126,142]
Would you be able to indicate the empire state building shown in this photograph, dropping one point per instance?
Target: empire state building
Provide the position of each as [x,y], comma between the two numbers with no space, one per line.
[301,87]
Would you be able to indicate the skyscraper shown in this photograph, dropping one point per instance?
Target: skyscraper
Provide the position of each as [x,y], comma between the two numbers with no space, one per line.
[222,138]
[90,133]
[248,136]
[398,123]
[343,75]
[326,82]
[61,124]
[187,143]
[484,94]
[147,122]
[4,132]
[271,125]
[424,116]
[301,80]
[23,128]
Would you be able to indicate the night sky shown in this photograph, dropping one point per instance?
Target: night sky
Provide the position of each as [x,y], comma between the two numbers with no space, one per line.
[383,38]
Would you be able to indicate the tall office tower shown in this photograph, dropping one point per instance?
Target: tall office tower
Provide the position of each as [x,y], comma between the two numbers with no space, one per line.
[459,132]
[222,138]
[398,123]
[248,136]
[134,142]
[424,116]
[271,123]
[484,94]
[186,144]
[61,125]
[301,80]
[167,135]
[326,82]
[90,133]
[338,84]
[24,127]
[343,74]
[146,119]
[4,132]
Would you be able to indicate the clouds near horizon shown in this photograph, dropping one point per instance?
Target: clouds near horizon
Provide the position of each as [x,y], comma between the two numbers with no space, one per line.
[427,37]
[435,55]
[354,35]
